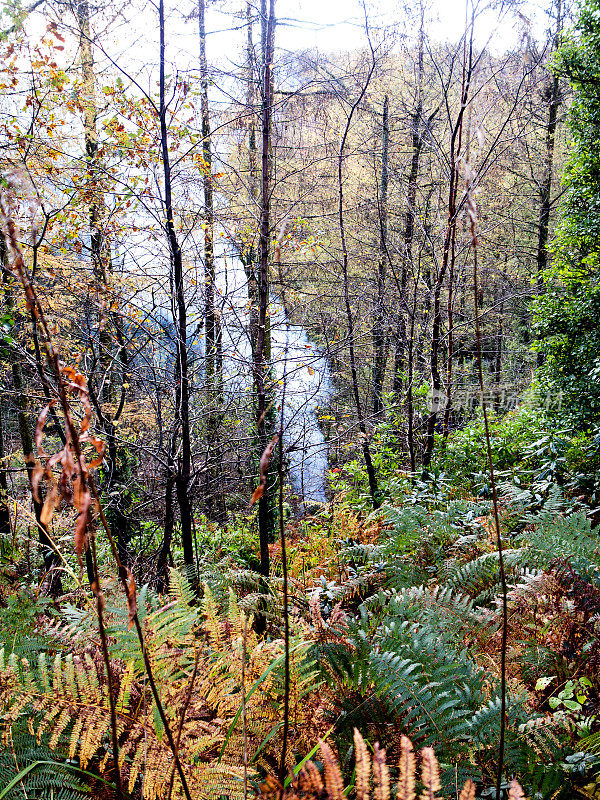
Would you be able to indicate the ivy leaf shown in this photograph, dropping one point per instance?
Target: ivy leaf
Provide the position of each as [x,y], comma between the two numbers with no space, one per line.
[543,683]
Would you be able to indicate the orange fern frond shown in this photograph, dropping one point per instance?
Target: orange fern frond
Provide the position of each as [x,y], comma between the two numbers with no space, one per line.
[515,791]
[468,792]
[363,767]
[334,783]
[430,774]
[407,766]
[381,774]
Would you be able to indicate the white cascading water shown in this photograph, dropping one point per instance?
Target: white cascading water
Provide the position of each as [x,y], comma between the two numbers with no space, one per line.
[297,364]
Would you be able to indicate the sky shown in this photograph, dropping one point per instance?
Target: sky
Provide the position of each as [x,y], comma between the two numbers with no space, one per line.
[327,25]
[339,24]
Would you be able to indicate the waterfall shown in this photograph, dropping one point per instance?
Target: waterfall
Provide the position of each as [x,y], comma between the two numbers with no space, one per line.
[295,361]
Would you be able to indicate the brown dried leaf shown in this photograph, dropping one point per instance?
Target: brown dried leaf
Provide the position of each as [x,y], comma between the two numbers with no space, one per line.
[80,536]
[36,476]
[407,768]
[363,767]
[263,468]
[39,429]
[100,448]
[257,494]
[468,792]
[430,774]
[132,606]
[50,503]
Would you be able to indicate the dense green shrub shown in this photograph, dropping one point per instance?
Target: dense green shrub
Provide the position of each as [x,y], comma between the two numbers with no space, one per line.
[566,315]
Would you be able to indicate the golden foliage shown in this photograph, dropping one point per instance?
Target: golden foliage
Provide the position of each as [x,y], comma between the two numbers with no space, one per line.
[309,784]
[209,666]
[407,766]
[430,774]
[468,792]
[363,767]
[204,660]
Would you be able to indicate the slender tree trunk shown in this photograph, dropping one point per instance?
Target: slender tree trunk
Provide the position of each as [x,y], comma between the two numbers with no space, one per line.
[99,250]
[162,561]
[410,410]
[248,254]
[409,219]
[554,101]
[447,259]
[408,237]
[450,318]
[250,101]
[498,359]
[379,330]
[4,508]
[450,358]
[48,553]
[182,409]
[404,356]
[261,354]
[373,489]
[215,501]
[116,474]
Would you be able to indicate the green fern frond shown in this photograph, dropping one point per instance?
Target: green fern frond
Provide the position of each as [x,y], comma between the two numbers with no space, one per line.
[556,536]
[478,577]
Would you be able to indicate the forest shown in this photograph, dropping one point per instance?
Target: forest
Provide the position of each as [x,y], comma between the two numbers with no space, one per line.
[300,400]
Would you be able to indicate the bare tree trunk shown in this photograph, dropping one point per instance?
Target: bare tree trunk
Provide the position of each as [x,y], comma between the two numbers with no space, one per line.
[215,501]
[261,354]
[379,327]
[4,508]
[117,459]
[162,561]
[248,255]
[250,101]
[450,355]
[46,548]
[182,383]
[404,355]
[447,260]
[410,410]
[373,489]
[498,359]
[408,237]
[409,220]
[554,101]
[99,250]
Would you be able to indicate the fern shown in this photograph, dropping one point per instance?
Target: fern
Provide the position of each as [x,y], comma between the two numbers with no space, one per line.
[47,777]
[198,653]
[408,656]
[570,538]
[479,578]
[310,783]
[436,605]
